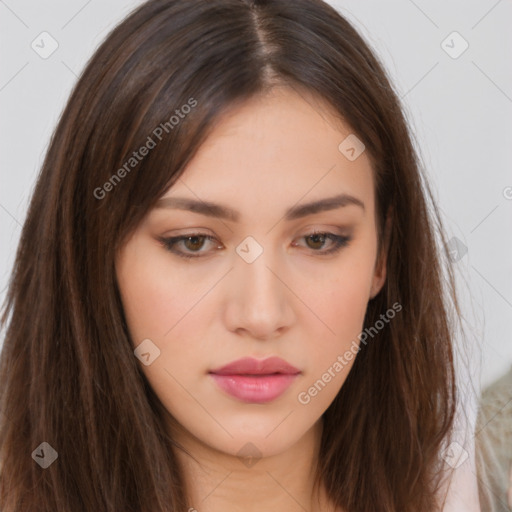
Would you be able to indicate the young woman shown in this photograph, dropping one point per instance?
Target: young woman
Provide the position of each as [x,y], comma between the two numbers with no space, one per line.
[228,292]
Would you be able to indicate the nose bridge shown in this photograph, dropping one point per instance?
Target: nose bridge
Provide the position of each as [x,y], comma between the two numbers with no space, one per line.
[259,284]
[259,299]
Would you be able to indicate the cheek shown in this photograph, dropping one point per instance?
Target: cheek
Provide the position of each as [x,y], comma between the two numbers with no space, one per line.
[344,304]
[340,297]
[155,295]
[147,304]
[342,310]
[155,311]
[150,303]
[341,304]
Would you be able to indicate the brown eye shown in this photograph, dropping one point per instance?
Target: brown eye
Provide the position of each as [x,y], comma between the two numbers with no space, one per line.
[318,240]
[192,243]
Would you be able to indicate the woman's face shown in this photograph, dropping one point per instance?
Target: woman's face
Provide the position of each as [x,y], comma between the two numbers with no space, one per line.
[254,281]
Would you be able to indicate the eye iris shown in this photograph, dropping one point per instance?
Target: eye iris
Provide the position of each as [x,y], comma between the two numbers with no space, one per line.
[317,237]
[194,245]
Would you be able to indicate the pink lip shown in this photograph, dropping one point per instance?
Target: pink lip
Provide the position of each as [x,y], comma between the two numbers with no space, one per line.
[255,381]
[251,366]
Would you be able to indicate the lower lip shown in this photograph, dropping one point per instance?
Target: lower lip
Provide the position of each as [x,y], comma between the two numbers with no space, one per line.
[257,389]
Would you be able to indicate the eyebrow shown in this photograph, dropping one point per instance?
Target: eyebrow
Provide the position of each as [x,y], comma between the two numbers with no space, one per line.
[224,212]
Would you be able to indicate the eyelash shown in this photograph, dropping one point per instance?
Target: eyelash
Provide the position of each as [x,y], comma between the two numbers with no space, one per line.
[169,243]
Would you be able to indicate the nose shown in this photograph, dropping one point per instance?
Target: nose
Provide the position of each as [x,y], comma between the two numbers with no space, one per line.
[259,299]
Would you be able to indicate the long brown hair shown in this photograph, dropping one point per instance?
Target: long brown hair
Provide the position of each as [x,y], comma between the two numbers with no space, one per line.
[68,375]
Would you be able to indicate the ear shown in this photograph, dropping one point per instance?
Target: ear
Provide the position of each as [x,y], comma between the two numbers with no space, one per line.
[379,276]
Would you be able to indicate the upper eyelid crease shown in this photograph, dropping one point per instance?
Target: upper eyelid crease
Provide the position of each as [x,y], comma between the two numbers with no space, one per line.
[224,212]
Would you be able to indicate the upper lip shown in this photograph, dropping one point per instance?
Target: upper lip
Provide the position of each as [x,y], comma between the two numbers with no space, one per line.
[251,366]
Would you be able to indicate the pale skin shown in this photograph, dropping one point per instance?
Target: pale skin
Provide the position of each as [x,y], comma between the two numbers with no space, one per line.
[272,153]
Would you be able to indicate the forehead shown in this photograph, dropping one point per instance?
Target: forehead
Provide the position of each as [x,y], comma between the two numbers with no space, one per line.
[274,150]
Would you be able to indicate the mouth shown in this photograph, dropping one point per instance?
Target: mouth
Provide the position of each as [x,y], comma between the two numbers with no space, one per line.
[255,381]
